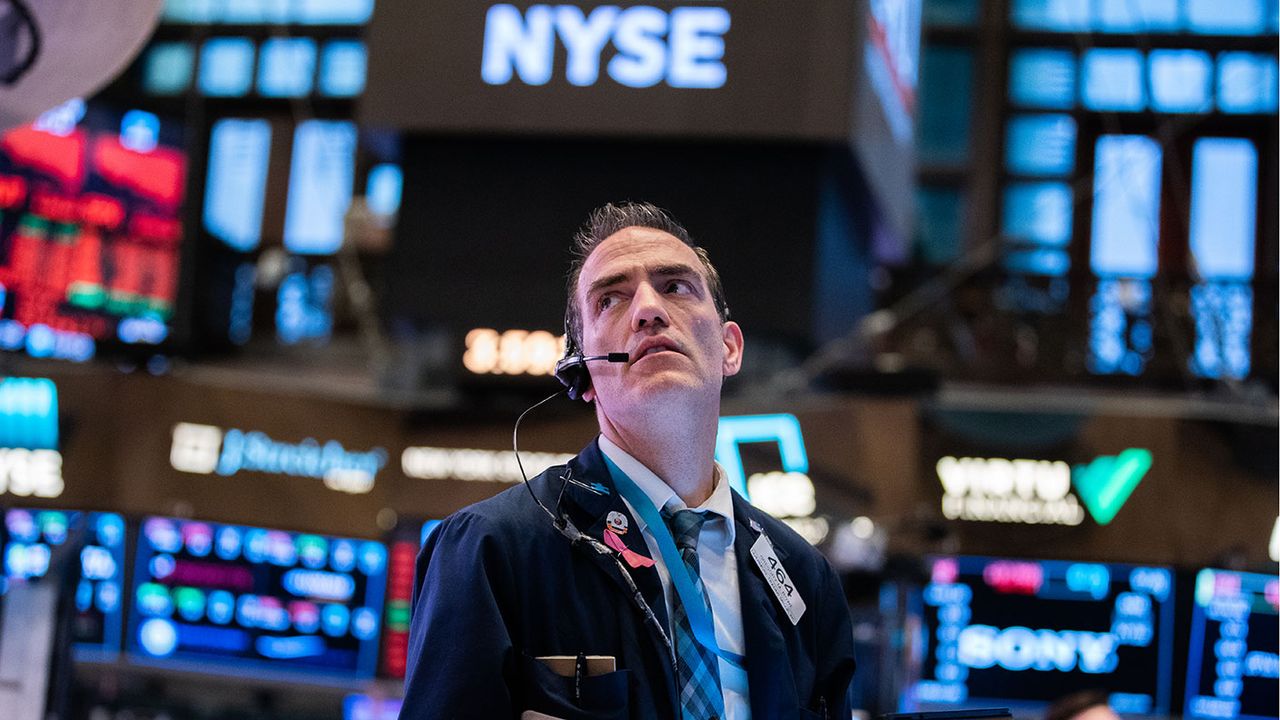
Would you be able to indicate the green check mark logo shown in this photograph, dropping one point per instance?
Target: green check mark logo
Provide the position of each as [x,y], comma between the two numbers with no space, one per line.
[1106,483]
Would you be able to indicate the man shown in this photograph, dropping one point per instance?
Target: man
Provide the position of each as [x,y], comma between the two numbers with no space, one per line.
[513,619]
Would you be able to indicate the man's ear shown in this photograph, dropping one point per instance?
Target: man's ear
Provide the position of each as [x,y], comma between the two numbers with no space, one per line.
[732,348]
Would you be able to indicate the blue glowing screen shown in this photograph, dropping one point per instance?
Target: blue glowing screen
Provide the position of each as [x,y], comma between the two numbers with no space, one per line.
[1246,83]
[1234,663]
[274,12]
[168,67]
[1038,212]
[1025,632]
[1120,330]
[226,67]
[1224,206]
[1227,17]
[343,68]
[1043,78]
[383,188]
[1126,206]
[29,541]
[1046,262]
[239,151]
[320,184]
[1136,16]
[241,600]
[286,67]
[1040,145]
[332,12]
[304,302]
[1223,315]
[1113,79]
[1208,17]
[1051,15]
[1181,81]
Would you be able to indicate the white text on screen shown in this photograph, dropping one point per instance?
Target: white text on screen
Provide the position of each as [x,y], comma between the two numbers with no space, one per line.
[684,47]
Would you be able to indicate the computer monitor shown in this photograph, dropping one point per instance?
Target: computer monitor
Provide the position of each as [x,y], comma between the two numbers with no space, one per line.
[29,540]
[1022,633]
[243,600]
[1233,665]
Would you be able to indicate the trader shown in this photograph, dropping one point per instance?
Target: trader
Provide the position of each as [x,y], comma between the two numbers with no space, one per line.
[644,587]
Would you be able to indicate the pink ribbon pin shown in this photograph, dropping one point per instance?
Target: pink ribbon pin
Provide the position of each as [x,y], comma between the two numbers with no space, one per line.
[633,558]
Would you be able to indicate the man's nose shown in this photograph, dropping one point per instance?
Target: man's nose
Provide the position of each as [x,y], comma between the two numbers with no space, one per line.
[647,308]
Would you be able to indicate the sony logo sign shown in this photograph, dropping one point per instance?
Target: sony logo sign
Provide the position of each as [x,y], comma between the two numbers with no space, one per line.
[683,46]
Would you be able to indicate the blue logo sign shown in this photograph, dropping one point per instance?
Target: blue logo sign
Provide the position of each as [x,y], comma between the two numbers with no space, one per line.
[783,429]
[28,413]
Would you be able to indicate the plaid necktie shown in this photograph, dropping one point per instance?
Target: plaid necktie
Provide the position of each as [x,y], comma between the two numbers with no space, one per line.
[697,669]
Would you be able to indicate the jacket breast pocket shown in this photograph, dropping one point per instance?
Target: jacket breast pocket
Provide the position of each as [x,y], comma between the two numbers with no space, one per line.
[598,697]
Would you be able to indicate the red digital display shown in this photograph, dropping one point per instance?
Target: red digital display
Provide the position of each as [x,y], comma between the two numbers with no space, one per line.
[400,569]
[90,223]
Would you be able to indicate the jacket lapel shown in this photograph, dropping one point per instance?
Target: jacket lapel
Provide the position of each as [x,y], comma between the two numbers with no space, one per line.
[590,512]
[769,675]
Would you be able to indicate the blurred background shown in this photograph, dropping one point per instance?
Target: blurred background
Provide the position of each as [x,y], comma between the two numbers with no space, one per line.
[277,276]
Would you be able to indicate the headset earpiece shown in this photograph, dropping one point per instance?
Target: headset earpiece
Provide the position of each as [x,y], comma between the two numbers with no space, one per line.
[571,371]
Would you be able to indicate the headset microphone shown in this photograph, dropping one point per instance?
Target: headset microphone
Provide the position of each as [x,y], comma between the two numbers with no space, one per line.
[571,371]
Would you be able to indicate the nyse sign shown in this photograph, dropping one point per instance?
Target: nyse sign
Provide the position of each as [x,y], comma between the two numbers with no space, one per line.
[684,47]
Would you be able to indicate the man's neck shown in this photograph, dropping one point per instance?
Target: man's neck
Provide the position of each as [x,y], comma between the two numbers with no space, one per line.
[679,449]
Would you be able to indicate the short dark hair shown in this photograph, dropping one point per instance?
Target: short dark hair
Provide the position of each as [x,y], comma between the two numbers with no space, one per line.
[608,219]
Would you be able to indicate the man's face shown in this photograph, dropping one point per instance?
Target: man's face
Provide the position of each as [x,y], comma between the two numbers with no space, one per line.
[644,292]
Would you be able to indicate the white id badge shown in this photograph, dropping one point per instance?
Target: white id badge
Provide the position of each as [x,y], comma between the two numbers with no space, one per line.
[778,579]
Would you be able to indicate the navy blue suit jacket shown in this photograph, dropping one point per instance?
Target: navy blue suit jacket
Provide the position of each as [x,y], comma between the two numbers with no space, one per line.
[498,586]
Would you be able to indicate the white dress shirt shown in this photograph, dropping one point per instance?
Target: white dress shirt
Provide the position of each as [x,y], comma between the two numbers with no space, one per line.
[717,565]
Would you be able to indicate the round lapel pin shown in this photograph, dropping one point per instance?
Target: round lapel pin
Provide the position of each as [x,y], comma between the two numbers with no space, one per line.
[616,522]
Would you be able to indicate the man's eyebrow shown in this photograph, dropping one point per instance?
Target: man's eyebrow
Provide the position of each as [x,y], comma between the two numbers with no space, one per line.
[606,281]
[673,269]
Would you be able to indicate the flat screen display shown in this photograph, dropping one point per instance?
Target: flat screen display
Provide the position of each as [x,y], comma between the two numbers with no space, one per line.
[1022,633]
[321,178]
[1234,663]
[29,541]
[234,194]
[244,600]
[90,227]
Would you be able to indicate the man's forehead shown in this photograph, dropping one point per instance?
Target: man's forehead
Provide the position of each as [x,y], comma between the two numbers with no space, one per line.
[641,249]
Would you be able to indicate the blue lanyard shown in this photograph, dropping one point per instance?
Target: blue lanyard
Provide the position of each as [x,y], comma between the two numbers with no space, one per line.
[695,605]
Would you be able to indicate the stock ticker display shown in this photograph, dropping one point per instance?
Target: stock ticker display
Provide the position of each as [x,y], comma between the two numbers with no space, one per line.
[1233,665]
[1024,633]
[31,537]
[90,228]
[244,600]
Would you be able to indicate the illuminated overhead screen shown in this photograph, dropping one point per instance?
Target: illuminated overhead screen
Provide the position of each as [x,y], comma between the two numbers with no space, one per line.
[30,539]
[1234,663]
[91,208]
[245,600]
[655,69]
[1022,633]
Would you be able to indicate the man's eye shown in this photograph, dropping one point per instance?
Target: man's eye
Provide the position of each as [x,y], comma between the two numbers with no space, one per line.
[605,302]
[679,286]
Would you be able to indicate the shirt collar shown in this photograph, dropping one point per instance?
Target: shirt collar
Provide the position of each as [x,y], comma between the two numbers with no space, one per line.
[662,496]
